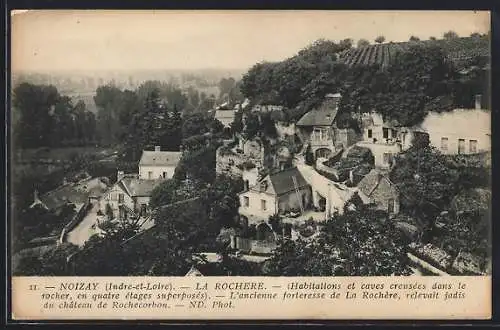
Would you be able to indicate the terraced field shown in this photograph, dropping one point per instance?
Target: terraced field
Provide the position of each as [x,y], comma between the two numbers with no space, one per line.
[460,51]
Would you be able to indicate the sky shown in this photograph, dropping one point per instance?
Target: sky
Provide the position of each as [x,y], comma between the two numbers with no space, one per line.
[44,40]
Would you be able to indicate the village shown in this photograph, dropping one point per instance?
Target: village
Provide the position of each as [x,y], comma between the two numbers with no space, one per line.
[303,189]
[332,174]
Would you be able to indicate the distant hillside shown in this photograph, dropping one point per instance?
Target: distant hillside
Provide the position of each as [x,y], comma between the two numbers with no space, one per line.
[459,50]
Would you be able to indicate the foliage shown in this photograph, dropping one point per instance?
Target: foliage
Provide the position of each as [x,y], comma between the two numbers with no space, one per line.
[36,222]
[363,43]
[450,35]
[198,165]
[380,39]
[282,83]
[171,191]
[428,181]
[467,231]
[419,81]
[252,126]
[51,261]
[109,212]
[40,109]
[224,200]
[309,157]
[425,181]
[357,243]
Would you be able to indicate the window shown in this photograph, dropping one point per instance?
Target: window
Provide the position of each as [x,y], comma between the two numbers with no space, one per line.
[246,201]
[444,144]
[385,133]
[263,186]
[370,133]
[263,205]
[473,146]
[319,134]
[121,198]
[150,175]
[461,146]
[390,206]
[393,133]
[164,175]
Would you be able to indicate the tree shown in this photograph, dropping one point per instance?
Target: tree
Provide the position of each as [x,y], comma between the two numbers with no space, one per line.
[51,261]
[346,43]
[251,126]
[363,43]
[380,39]
[357,243]
[172,191]
[450,35]
[224,200]
[225,86]
[432,38]
[418,81]
[309,157]
[426,182]
[109,105]
[282,83]
[468,224]
[33,104]
[197,124]
[414,38]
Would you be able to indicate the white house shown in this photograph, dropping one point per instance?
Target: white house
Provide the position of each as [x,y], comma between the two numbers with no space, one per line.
[158,164]
[461,131]
[275,194]
[226,117]
[381,137]
[129,194]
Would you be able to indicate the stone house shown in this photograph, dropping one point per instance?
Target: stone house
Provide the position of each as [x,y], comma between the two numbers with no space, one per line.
[318,128]
[275,194]
[381,137]
[380,191]
[79,194]
[129,196]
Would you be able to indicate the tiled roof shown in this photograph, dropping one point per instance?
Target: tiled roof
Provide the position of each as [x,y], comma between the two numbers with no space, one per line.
[318,118]
[372,181]
[139,187]
[160,158]
[282,181]
[77,193]
[224,114]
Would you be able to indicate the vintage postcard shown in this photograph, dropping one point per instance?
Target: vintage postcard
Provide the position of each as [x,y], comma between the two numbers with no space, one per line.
[250,165]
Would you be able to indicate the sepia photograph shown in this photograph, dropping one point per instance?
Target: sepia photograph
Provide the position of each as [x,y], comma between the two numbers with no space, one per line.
[284,143]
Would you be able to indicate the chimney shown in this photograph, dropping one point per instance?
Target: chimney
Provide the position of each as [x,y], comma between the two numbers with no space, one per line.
[119,175]
[157,148]
[478,102]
